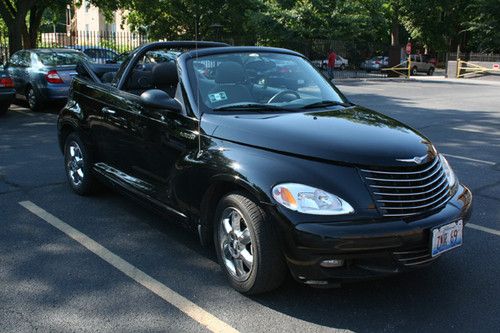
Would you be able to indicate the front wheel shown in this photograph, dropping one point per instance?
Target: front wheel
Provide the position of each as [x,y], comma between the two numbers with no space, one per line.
[246,245]
[431,71]
[414,71]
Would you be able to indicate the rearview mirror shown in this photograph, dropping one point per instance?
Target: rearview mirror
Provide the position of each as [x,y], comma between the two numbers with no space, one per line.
[158,99]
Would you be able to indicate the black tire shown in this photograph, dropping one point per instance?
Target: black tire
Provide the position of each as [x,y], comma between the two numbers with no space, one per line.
[414,71]
[84,182]
[268,268]
[342,67]
[430,72]
[35,101]
[4,108]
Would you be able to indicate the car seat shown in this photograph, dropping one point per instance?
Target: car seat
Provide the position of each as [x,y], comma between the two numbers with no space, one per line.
[229,88]
[165,77]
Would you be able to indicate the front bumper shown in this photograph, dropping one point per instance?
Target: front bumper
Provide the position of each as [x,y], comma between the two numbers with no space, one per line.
[369,249]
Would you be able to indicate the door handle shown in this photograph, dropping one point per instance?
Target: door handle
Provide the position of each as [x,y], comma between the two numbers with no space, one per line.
[108,110]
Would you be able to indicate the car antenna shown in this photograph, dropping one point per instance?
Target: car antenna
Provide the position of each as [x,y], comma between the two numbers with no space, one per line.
[197,90]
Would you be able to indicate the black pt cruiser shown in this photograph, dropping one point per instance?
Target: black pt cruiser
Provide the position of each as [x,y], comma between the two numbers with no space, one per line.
[253,149]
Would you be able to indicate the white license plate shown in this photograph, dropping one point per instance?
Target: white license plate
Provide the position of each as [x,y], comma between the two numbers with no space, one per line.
[446,237]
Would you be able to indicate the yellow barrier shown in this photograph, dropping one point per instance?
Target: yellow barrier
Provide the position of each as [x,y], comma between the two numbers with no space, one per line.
[473,69]
[398,70]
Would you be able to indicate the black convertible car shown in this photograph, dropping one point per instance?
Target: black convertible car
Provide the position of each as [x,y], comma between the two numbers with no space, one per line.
[253,149]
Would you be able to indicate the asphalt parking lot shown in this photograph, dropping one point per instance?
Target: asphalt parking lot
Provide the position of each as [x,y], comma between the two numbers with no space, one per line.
[103,263]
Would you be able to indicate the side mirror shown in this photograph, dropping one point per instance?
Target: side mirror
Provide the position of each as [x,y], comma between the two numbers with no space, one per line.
[158,99]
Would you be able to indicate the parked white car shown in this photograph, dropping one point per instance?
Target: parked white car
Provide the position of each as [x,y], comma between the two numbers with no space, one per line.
[340,63]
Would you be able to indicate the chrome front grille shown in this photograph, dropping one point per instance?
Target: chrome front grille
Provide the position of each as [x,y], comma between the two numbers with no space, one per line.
[408,191]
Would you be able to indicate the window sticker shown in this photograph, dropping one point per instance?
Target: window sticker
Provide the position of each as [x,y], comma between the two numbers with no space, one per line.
[217,97]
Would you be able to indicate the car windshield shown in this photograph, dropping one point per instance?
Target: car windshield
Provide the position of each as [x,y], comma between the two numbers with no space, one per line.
[259,81]
[61,58]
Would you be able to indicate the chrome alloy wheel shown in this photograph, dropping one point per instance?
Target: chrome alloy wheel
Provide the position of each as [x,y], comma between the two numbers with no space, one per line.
[75,164]
[31,98]
[235,241]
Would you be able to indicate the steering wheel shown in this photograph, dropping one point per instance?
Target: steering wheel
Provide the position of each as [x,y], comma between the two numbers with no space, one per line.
[281,94]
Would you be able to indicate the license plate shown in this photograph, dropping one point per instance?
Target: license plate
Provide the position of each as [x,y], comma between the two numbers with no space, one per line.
[446,237]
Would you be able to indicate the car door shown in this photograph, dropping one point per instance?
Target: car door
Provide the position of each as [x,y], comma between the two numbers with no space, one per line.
[168,136]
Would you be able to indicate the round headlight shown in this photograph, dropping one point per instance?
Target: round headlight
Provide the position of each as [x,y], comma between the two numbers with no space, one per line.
[450,175]
[309,200]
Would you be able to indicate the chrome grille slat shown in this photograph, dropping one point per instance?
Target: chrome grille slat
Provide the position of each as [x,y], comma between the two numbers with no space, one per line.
[422,206]
[408,191]
[415,193]
[404,173]
[440,170]
[415,200]
[405,187]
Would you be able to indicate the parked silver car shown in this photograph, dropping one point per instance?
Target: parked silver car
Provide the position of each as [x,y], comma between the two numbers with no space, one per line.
[340,63]
[375,63]
[420,64]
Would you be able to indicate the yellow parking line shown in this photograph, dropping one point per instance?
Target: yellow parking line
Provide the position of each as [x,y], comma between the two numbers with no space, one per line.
[481,228]
[203,317]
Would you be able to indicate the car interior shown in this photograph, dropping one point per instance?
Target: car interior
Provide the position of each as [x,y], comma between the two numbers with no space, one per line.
[221,79]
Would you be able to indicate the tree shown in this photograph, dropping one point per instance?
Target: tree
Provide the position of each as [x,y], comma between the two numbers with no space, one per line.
[484,25]
[23,19]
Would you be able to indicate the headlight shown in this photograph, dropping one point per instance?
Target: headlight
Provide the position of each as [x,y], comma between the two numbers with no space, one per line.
[450,175]
[309,200]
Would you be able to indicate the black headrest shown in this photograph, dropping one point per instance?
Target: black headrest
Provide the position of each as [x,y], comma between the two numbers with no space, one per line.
[230,72]
[108,77]
[165,73]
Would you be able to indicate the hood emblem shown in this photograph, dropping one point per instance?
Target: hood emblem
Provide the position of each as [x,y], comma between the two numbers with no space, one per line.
[416,159]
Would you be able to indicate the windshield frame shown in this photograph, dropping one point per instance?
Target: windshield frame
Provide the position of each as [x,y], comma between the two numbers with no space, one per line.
[187,73]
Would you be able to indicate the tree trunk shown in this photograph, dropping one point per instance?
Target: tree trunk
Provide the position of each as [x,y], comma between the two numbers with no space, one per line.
[395,50]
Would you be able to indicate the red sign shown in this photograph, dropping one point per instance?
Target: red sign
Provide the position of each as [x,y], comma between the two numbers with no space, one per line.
[408,48]
[496,67]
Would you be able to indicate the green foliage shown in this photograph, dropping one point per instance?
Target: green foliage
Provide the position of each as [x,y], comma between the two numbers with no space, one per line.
[484,25]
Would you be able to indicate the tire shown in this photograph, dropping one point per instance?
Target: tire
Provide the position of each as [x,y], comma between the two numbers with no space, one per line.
[34,99]
[430,72]
[342,67]
[78,165]
[414,71]
[4,108]
[243,232]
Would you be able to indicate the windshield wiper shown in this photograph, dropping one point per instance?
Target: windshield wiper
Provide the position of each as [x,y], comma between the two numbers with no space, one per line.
[251,106]
[325,103]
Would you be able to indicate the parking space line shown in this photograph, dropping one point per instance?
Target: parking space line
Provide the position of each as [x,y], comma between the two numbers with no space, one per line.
[470,159]
[485,229]
[198,314]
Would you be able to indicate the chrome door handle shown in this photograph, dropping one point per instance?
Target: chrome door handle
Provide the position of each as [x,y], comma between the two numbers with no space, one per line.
[108,110]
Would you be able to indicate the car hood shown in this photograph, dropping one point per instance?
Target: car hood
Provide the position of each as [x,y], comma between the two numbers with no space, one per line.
[353,135]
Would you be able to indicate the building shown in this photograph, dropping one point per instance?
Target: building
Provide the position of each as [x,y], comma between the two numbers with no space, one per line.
[90,19]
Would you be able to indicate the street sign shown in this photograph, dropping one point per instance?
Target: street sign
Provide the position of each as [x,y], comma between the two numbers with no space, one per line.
[408,48]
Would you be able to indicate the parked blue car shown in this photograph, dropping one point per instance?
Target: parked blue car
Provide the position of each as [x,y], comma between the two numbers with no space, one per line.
[98,55]
[6,92]
[42,75]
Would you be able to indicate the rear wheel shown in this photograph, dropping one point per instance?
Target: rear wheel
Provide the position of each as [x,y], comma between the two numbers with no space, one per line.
[414,71]
[247,249]
[4,108]
[430,72]
[34,99]
[78,164]
[342,67]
